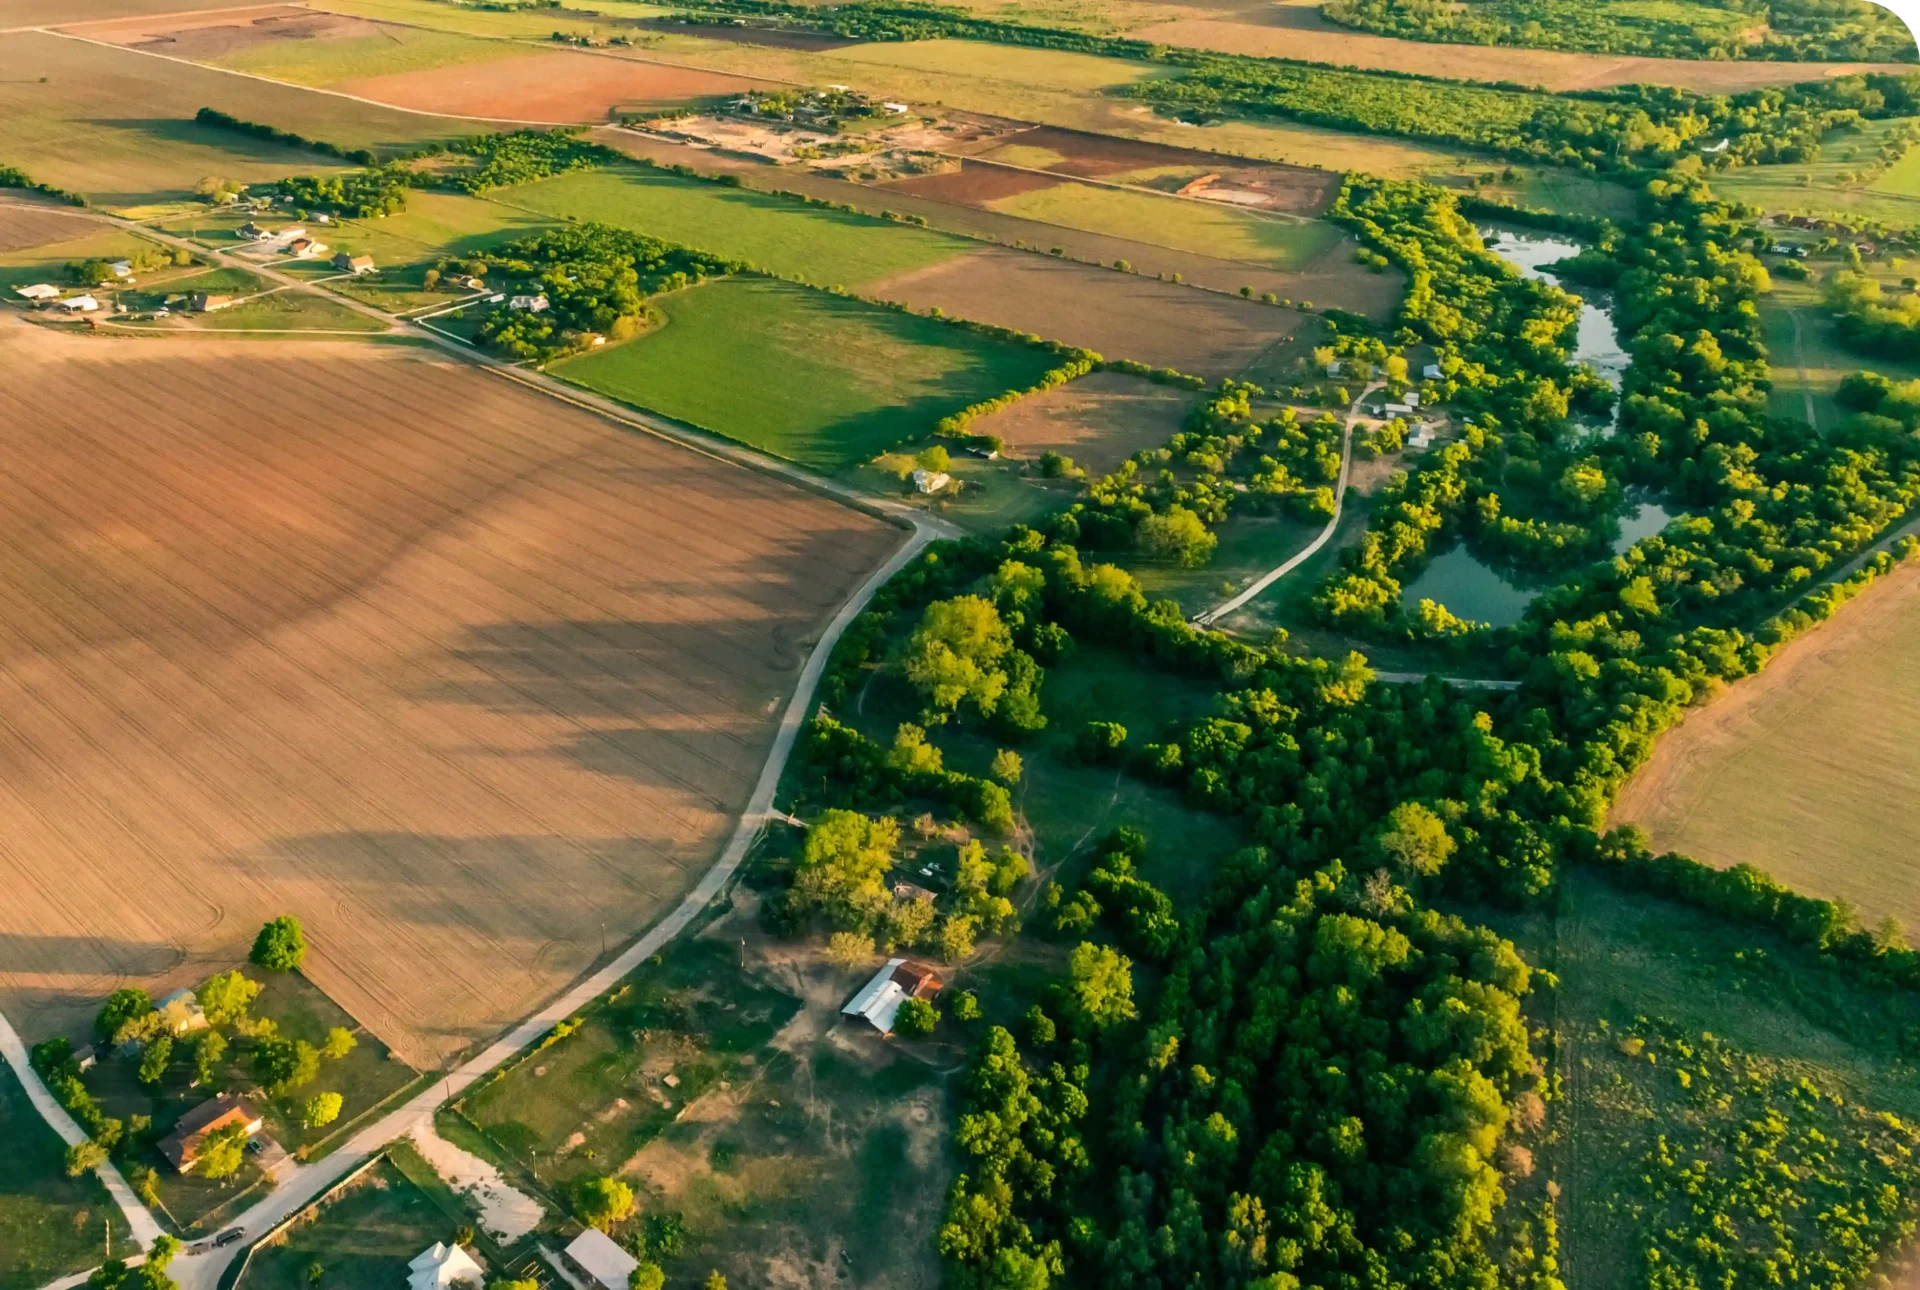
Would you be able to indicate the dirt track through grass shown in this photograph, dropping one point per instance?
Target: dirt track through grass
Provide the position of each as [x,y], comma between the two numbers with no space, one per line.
[370,638]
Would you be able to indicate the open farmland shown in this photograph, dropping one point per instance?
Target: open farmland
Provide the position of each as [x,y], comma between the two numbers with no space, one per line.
[23,227]
[1099,420]
[1163,220]
[811,377]
[558,87]
[826,247]
[363,635]
[1807,770]
[1117,315]
[1332,279]
[118,125]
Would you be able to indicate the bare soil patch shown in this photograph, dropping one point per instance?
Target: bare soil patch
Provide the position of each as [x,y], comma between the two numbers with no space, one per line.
[1299,32]
[1119,315]
[210,35]
[367,636]
[22,227]
[973,184]
[768,37]
[560,86]
[1298,189]
[1806,770]
[1099,420]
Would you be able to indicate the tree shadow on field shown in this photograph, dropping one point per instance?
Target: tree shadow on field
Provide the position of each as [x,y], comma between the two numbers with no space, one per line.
[160,132]
[27,955]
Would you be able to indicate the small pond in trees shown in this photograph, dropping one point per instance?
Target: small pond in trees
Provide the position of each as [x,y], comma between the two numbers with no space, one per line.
[1469,588]
[1597,343]
[1642,519]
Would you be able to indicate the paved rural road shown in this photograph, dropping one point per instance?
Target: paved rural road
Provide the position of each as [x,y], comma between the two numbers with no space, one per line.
[1208,617]
[299,1187]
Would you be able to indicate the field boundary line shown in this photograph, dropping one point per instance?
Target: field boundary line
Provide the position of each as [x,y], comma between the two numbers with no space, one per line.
[291,85]
[139,1218]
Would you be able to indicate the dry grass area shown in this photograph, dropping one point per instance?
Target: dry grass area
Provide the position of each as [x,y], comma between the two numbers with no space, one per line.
[362,634]
[1118,315]
[198,32]
[1296,30]
[23,227]
[1808,769]
[560,86]
[1099,420]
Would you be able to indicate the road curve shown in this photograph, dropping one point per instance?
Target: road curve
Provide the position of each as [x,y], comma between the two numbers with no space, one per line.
[1208,617]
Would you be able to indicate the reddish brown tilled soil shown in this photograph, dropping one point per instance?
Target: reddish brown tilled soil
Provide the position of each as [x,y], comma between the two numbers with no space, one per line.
[558,86]
[973,184]
[213,35]
[1099,420]
[1119,315]
[452,671]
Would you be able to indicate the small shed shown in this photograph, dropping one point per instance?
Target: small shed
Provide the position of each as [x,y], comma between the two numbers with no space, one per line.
[1431,372]
[206,302]
[931,481]
[252,232]
[879,1000]
[528,304]
[122,268]
[1413,398]
[78,304]
[354,264]
[595,1257]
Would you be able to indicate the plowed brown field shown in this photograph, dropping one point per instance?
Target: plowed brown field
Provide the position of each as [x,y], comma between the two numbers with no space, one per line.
[559,86]
[22,227]
[465,678]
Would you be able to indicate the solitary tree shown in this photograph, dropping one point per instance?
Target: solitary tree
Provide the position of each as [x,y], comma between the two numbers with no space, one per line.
[916,1017]
[602,1202]
[647,1276]
[226,998]
[849,949]
[1007,767]
[320,1109]
[281,945]
[153,1062]
[1100,985]
[82,1156]
[339,1043]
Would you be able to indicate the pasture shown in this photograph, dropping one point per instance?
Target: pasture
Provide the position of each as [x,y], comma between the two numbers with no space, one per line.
[118,125]
[364,635]
[818,379]
[1117,315]
[315,49]
[1180,223]
[560,87]
[1721,991]
[1099,420]
[25,226]
[1835,187]
[50,1224]
[1808,362]
[1806,770]
[824,247]
[362,1235]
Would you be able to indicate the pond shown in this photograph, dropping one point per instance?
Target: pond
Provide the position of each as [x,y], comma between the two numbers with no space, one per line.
[1642,520]
[1597,342]
[1469,588]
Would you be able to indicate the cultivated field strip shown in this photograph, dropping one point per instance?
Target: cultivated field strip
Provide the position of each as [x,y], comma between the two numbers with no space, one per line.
[456,673]
[22,227]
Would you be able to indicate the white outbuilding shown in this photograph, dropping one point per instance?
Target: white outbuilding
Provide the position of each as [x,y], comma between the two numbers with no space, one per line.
[594,1256]
[78,304]
[441,1266]
[931,481]
[38,291]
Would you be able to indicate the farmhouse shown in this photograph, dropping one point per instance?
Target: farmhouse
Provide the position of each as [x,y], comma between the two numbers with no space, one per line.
[252,232]
[594,1257]
[206,302]
[879,1000]
[305,248]
[441,1265]
[354,264]
[38,291]
[530,304]
[182,1012]
[182,1146]
[931,481]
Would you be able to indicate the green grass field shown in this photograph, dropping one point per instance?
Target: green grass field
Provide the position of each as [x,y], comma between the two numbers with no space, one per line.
[395,50]
[1719,992]
[1821,188]
[49,263]
[527,24]
[50,1224]
[118,125]
[1804,351]
[362,1235]
[825,247]
[976,60]
[815,378]
[1182,224]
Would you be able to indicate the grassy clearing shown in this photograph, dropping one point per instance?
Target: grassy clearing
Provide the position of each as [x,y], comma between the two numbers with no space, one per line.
[363,1235]
[1806,771]
[815,378]
[1050,68]
[1822,188]
[530,24]
[1726,992]
[825,247]
[1249,546]
[49,263]
[1175,222]
[396,50]
[118,125]
[1808,360]
[50,1224]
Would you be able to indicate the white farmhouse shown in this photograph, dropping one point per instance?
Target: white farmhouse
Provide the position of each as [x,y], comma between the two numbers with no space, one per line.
[440,1266]
[931,481]
[529,304]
